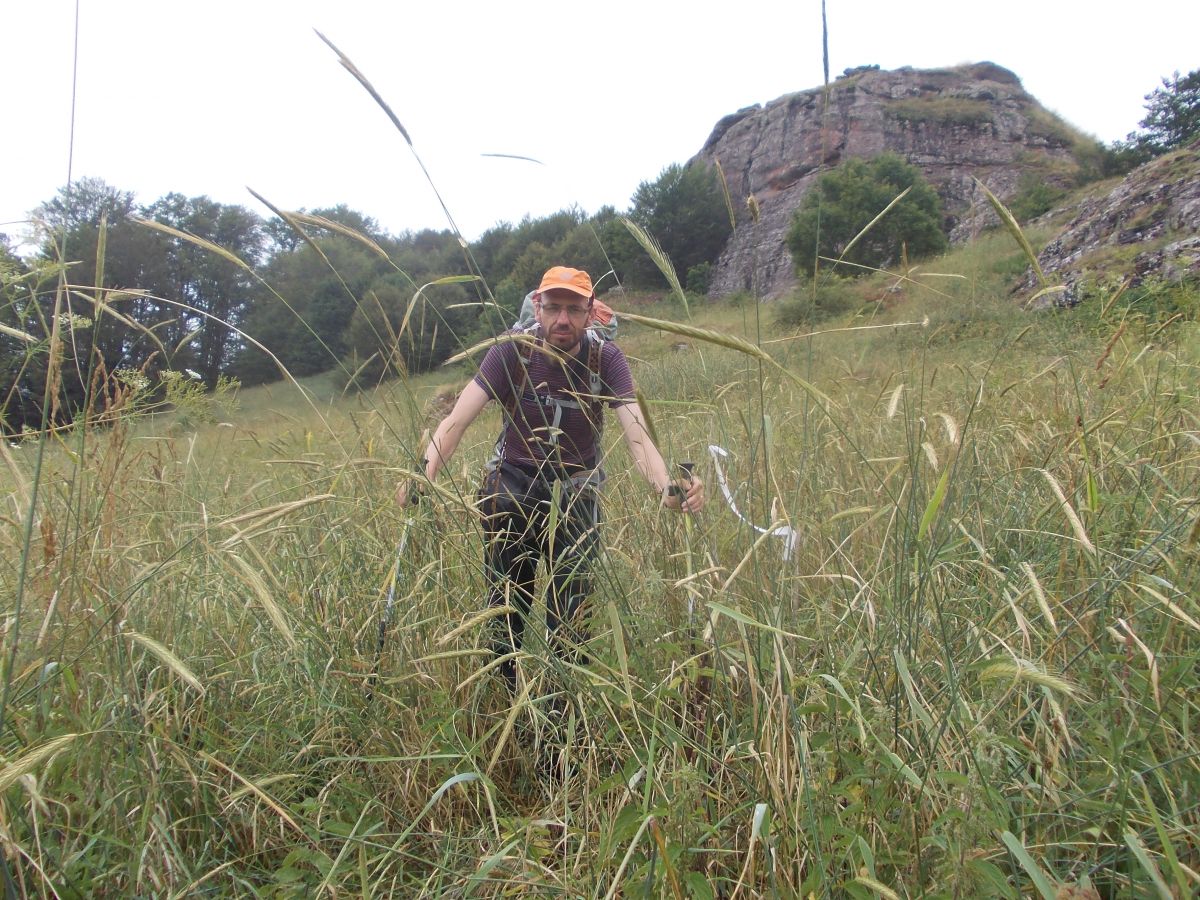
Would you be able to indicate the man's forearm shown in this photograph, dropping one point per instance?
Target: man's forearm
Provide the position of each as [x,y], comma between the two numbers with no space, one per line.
[450,431]
[442,445]
[646,458]
[650,463]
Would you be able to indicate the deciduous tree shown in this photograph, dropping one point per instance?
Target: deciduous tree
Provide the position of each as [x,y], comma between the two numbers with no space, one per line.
[684,210]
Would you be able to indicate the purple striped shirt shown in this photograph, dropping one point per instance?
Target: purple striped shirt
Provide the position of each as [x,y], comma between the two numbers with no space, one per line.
[532,437]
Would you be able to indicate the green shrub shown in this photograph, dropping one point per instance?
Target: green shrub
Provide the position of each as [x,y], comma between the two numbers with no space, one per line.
[684,211]
[834,296]
[698,277]
[849,197]
[1035,195]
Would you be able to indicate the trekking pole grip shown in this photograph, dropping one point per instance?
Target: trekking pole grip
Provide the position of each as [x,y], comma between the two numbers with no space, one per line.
[686,468]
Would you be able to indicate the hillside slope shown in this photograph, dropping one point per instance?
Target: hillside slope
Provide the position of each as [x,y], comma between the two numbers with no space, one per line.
[1146,226]
[957,124]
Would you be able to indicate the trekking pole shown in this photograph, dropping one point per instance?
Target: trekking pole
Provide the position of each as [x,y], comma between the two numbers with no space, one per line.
[676,491]
[385,621]
[700,695]
[389,608]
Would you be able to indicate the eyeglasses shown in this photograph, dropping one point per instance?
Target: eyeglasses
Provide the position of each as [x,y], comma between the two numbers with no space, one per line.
[553,311]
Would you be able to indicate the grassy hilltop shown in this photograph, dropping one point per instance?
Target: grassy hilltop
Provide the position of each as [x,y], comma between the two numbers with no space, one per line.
[975,676]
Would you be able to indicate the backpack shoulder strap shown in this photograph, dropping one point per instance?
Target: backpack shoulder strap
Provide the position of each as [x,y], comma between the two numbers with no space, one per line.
[518,370]
[595,355]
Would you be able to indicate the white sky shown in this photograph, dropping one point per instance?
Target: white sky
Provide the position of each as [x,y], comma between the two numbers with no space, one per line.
[209,96]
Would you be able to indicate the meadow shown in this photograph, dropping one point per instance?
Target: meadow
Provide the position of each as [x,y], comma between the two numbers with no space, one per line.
[972,672]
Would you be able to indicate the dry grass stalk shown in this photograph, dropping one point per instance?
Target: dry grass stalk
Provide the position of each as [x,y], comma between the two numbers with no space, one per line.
[260,590]
[731,342]
[103,306]
[20,482]
[660,259]
[257,792]
[1022,670]
[203,243]
[420,295]
[930,454]
[1010,222]
[950,425]
[338,228]
[1112,343]
[1124,632]
[878,886]
[1169,604]
[260,518]
[854,240]
[924,323]
[520,704]
[19,335]
[24,765]
[169,659]
[1069,512]
[489,343]
[725,192]
[44,631]
[488,614]
[1039,594]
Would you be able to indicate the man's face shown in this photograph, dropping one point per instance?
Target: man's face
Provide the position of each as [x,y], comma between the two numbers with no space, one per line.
[563,316]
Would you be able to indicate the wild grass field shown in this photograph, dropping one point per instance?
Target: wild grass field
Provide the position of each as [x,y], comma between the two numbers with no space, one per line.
[973,675]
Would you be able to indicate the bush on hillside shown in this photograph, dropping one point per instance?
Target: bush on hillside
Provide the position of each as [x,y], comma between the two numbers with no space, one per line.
[845,201]
[1035,195]
[833,296]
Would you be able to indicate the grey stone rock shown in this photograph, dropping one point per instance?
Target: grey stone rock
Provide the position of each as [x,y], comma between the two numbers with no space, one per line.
[1155,207]
[956,125]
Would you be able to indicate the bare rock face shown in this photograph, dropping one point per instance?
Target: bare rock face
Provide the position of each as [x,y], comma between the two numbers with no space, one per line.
[1148,226]
[973,121]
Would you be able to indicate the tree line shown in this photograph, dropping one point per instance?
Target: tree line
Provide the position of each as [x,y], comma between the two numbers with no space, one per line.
[217,291]
[190,285]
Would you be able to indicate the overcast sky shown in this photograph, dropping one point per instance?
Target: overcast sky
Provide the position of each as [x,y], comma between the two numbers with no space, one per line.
[210,97]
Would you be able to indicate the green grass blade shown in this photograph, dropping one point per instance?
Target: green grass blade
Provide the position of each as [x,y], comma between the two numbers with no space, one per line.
[1134,843]
[935,503]
[1039,878]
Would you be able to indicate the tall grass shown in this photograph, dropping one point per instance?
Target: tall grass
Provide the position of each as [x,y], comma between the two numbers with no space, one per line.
[975,677]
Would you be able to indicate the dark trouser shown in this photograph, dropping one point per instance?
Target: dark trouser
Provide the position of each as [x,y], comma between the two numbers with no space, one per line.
[517,533]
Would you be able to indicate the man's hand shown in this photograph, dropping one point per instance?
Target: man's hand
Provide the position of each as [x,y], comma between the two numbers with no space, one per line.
[409,493]
[685,494]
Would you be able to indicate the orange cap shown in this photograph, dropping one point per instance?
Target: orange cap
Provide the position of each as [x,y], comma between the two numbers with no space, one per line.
[560,278]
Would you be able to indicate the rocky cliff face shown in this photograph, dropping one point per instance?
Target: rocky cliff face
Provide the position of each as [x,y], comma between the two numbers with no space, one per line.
[1148,225]
[973,121]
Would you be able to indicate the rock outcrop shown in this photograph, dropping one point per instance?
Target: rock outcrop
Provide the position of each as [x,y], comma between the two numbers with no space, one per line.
[1147,226]
[971,121]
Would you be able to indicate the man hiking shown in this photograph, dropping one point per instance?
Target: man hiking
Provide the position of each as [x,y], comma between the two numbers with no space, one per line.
[553,387]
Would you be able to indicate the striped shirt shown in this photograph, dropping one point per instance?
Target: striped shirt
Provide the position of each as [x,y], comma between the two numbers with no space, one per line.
[533,437]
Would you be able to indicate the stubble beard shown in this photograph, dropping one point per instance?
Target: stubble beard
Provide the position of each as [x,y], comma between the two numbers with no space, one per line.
[566,341]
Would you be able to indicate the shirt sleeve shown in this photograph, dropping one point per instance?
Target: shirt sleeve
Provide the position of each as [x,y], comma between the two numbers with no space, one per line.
[617,378]
[494,374]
